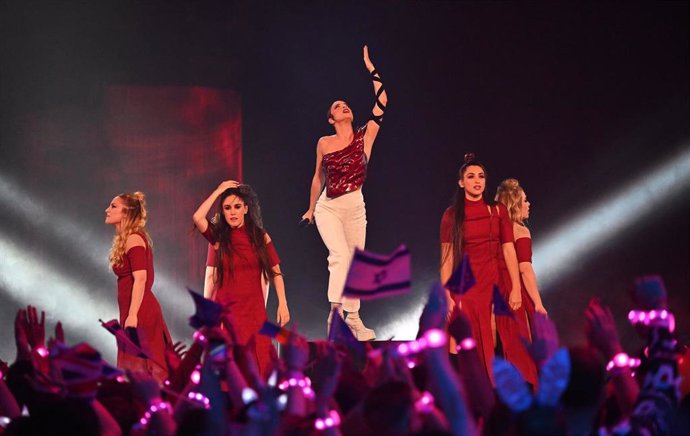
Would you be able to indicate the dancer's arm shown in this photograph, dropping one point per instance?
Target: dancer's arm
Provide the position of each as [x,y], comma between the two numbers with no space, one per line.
[374,123]
[515,298]
[283,314]
[447,260]
[447,271]
[139,285]
[208,281]
[317,182]
[529,278]
[507,238]
[199,216]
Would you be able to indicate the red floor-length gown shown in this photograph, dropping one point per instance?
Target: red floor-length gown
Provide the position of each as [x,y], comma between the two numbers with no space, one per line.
[484,231]
[513,331]
[242,292]
[151,328]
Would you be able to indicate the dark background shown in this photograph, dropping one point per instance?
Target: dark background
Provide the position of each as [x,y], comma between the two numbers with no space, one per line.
[576,100]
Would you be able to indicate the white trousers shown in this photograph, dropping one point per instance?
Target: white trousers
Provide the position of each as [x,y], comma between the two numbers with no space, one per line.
[342,224]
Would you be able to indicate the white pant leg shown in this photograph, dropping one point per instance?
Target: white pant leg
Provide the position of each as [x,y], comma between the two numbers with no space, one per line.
[355,226]
[333,216]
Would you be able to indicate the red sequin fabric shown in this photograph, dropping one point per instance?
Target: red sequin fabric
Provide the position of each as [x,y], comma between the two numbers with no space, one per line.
[346,169]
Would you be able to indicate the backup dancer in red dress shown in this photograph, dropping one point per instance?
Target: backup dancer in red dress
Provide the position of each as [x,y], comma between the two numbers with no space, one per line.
[485,232]
[511,194]
[131,258]
[339,211]
[246,253]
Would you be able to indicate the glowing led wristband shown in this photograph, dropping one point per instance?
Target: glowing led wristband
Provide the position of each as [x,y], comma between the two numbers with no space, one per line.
[155,407]
[200,398]
[433,338]
[293,382]
[621,361]
[330,421]
[658,318]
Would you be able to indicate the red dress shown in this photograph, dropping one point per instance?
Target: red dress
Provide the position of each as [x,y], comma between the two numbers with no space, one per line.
[484,230]
[151,328]
[513,331]
[242,292]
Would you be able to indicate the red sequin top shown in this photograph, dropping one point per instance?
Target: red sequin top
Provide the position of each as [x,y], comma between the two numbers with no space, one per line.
[346,169]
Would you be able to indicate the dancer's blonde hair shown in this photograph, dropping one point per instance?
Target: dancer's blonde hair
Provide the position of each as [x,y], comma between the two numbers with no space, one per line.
[509,192]
[133,221]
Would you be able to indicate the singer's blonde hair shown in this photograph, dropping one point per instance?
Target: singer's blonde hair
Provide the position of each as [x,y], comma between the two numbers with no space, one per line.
[509,192]
[133,221]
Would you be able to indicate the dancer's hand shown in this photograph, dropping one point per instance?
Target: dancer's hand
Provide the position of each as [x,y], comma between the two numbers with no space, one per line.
[541,309]
[515,299]
[227,185]
[309,216]
[367,61]
[283,314]
[131,321]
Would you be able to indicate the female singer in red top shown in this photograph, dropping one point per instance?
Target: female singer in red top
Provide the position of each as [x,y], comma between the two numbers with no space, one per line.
[483,231]
[131,258]
[246,253]
[339,212]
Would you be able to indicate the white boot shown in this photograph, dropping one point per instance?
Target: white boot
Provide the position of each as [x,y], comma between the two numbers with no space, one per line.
[361,332]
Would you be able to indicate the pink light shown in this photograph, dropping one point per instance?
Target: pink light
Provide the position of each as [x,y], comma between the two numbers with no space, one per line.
[435,338]
[42,351]
[196,377]
[414,347]
[403,349]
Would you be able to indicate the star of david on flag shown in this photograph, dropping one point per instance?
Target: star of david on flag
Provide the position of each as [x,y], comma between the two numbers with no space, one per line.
[374,275]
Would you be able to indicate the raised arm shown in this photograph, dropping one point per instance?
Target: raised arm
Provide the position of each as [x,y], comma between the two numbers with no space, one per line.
[199,216]
[377,111]
[317,183]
